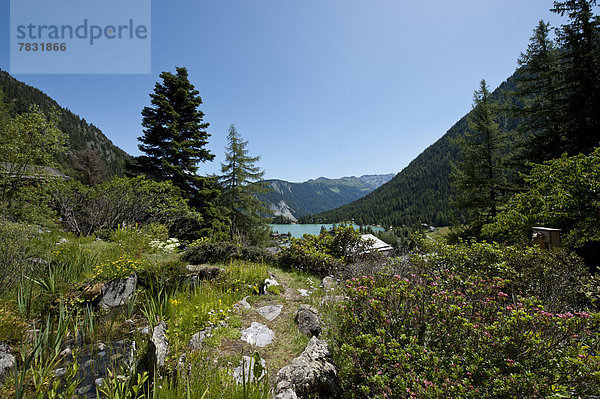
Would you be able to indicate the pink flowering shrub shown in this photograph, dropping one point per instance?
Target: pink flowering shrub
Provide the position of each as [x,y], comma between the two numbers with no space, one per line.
[441,334]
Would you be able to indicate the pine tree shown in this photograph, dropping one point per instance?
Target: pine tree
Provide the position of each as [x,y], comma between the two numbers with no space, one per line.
[541,129]
[580,70]
[479,178]
[175,136]
[240,186]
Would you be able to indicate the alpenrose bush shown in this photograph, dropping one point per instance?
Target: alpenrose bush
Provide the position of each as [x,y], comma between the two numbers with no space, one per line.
[439,335]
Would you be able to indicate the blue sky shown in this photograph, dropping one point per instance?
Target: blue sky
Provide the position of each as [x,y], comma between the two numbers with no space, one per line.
[319,87]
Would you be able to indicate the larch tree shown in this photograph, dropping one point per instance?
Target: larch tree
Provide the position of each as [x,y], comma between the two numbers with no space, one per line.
[240,184]
[479,178]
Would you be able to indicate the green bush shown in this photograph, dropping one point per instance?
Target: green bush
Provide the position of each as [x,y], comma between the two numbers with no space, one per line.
[441,335]
[561,193]
[557,277]
[222,252]
[324,254]
[131,201]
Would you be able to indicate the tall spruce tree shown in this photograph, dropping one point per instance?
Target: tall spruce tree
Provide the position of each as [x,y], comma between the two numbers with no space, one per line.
[479,178]
[240,186]
[541,131]
[580,71]
[174,142]
[174,136]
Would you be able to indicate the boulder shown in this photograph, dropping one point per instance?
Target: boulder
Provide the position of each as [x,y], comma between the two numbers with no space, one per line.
[258,334]
[117,292]
[248,372]
[242,305]
[7,361]
[308,320]
[158,347]
[328,283]
[198,338]
[199,273]
[310,374]
[287,394]
[270,312]
[268,283]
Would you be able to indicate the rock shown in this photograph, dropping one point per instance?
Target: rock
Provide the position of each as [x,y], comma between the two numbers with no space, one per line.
[246,370]
[199,337]
[268,283]
[117,292]
[89,364]
[101,346]
[270,312]
[287,394]
[310,374]
[258,334]
[66,353]
[308,320]
[59,372]
[199,273]
[242,305]
[159,346]
[328,283]
[92,292]
[85,389]
[144,330]
[99,381]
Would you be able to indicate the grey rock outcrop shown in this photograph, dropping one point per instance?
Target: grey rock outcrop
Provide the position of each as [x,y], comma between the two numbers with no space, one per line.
[117,292]
[199,338]
[308,320]
[269,282]
[258,334]
[242,305]
[270,312]
[7,361]
[199,273]
[287,394]
[248,371]
[312,373]
[158,346]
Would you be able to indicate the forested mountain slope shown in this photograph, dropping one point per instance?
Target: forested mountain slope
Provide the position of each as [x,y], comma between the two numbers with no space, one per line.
[294,200]
[91,156]
[421,192]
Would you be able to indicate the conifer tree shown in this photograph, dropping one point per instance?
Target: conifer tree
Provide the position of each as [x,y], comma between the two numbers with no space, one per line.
[174,136]
[240,186]
[541,131]
[580,71]
[479,177]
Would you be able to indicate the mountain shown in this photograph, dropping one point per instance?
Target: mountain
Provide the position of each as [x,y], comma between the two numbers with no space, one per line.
[294,200]
[422,191]
[91,156]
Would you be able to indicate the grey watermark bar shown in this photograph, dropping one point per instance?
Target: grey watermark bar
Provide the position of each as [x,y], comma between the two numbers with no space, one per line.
[80,37]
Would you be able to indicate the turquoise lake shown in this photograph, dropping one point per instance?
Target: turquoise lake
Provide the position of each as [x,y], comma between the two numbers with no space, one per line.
[298,230]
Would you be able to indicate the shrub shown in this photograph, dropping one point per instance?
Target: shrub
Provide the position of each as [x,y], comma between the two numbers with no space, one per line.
[441,335]
[556,277]
[203,251]
[119,268]
[85,210]
[324,254]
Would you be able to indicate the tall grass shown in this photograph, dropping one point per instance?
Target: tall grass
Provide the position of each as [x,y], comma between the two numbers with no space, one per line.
[207,379]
